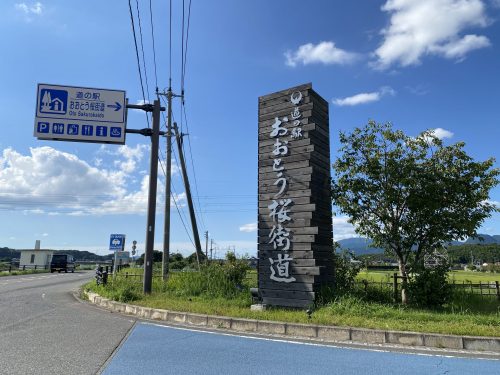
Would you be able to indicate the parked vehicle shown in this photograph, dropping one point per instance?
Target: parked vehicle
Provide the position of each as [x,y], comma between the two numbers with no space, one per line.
[62,262]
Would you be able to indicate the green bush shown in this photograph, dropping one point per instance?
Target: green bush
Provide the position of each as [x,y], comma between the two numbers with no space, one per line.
[429,287]
[345,273]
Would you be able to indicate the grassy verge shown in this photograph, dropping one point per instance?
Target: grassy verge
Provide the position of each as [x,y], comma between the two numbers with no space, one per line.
[453,276]
[21,272]
[189,292]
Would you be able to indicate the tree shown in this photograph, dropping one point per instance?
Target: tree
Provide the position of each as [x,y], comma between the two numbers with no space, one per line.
[410,194]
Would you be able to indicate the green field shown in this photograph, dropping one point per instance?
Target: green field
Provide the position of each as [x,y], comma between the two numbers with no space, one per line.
[453,276]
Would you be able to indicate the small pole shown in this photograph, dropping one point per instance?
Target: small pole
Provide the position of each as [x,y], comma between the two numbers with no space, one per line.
[395,287]
[497,286]
[206,243]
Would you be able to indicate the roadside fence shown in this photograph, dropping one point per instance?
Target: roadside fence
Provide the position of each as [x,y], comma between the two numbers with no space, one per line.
[485,289]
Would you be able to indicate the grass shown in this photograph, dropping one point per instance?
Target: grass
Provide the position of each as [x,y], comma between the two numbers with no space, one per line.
[456,276]
[21,272]
[466,315]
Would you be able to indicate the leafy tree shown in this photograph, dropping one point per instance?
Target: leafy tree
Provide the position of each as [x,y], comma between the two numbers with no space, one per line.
[157,257]
[410,194]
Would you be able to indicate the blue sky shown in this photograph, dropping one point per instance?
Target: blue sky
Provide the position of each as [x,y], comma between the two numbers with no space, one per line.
[421,64]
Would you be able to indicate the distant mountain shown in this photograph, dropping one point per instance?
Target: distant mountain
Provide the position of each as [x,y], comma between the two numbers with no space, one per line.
[6,253]
[483,239]
[362,246]
[359,246]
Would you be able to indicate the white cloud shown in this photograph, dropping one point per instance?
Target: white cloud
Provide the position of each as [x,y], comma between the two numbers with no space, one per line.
[36,8]
[324,53]
[430,27]
[342,229]
[442,133]
[30,11]
[459,48]
[249,228]
[52,182]
[365,97]
[45,235]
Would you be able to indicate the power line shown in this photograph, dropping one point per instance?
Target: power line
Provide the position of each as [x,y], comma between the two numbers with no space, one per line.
[192,165]
[170,47]
[137,55]
[186,49]
[153,38]
[176,206]
[142,48]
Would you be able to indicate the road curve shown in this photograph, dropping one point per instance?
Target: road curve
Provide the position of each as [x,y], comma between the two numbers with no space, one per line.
[45,330]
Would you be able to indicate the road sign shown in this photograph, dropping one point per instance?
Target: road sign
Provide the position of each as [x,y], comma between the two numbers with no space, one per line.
[117,242]
[122,255]
[80,114]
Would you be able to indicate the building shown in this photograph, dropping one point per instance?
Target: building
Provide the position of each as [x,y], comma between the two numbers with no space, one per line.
[39,258]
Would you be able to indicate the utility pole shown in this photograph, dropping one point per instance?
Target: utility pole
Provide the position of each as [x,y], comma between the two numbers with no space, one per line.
[206,243]
[196,235]
[211,248]
[168,184]
[168,178]
[153,176]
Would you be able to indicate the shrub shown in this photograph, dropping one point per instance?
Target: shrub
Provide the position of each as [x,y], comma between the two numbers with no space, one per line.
[345,273]
[429,287]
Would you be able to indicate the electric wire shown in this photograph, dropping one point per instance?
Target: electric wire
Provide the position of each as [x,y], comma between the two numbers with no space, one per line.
[199,212]
[137,56]
[170,46]
[175,202]
[186,49]
[153,38]
[142,48]
[192,166]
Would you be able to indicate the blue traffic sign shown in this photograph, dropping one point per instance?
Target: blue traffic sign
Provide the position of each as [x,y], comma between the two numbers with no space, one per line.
[81,114]
[117,242]
[53,101]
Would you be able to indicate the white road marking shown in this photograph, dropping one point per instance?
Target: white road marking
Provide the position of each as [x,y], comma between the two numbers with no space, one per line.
[318,344]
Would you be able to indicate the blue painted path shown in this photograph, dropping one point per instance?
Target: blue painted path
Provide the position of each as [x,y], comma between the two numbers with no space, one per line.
[155,349]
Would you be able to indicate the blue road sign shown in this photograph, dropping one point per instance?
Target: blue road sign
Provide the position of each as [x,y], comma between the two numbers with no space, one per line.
[115,132]
[53,101]
[101,131]
[72,129]
[57,128]
[80,114]
[43,127]
[117,242]
[87,130]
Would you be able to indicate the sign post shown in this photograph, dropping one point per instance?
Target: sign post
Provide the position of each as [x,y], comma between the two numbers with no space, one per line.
[116,244]
[83,114]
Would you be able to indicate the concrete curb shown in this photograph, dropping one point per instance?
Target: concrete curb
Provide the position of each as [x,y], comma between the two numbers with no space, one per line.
[304,331]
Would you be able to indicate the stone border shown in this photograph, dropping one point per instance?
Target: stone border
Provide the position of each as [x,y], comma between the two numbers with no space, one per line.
[304,331]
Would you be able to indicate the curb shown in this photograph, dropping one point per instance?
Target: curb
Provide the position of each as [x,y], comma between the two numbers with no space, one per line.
[304,331]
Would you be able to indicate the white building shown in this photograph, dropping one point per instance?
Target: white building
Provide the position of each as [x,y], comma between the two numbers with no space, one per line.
[39,258]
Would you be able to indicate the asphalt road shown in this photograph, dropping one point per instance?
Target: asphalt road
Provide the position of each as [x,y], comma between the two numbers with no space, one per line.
[157,349]
[45,330]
